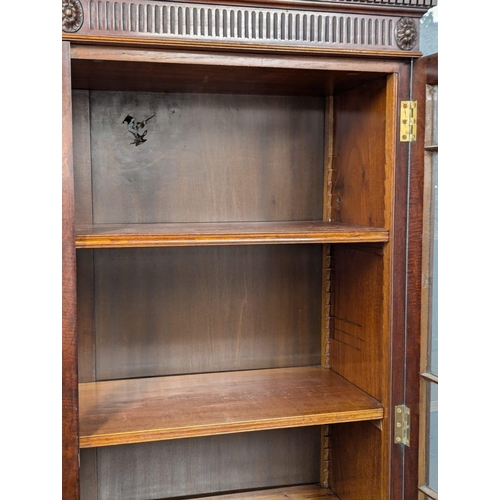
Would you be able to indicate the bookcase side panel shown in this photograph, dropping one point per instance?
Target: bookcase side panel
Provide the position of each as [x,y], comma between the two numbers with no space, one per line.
[70,466]
[357,461]
[359,192]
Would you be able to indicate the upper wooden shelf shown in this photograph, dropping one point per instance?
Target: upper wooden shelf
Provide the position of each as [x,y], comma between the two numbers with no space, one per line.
[154,409]
[224,233]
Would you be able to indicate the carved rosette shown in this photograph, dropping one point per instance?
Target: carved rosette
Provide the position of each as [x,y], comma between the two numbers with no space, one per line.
[72,15]
[406,33]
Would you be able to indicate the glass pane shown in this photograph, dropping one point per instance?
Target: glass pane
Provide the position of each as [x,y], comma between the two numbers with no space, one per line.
[433,307]
[432,445]
[431,116]
[429,446]
[428,31]
[433,95]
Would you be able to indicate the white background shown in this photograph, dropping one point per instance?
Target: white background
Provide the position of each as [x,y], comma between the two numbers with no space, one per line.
[30,274]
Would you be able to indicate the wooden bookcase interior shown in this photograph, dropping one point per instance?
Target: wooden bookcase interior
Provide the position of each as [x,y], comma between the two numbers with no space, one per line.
[233,276]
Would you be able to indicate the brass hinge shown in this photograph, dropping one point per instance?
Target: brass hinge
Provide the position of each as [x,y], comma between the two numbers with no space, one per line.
[402,425]
[408,121]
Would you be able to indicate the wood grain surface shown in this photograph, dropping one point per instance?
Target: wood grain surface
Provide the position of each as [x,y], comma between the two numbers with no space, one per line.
[224,233]
[208,465]
[399,478]
[215,45]
[166,311]
[308,492]
[258,61]
[82,157]
[255,153]
[152,75]
[361,329]
[70,465]
[153,409]
[360,150]
[357,468]
[86,316]
[208,158]
[149,312]
[425,73]
[357,337]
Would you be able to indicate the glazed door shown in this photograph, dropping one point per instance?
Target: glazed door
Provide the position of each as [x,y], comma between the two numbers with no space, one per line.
[421,362]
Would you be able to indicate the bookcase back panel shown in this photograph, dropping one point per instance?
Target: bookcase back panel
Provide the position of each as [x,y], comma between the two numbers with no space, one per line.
[186,467]
[207,158]
[165,311]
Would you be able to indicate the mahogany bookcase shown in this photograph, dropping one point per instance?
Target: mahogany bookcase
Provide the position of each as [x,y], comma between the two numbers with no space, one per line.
[235,296]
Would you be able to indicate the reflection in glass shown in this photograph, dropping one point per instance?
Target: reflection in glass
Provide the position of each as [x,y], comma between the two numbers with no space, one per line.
[429,408]
[431,116]
[433,326]
[428,30]
[432,447]
[434,96]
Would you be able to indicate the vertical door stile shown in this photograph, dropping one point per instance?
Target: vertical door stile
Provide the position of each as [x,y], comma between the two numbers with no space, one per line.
[70,449]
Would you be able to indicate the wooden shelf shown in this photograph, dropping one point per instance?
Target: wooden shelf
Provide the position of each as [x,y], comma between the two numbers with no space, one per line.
[155,409]
[307,492]
[224,233]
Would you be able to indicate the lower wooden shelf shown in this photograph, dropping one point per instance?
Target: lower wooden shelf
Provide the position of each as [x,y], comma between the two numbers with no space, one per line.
[308,492]
[154,409]
[224,233]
